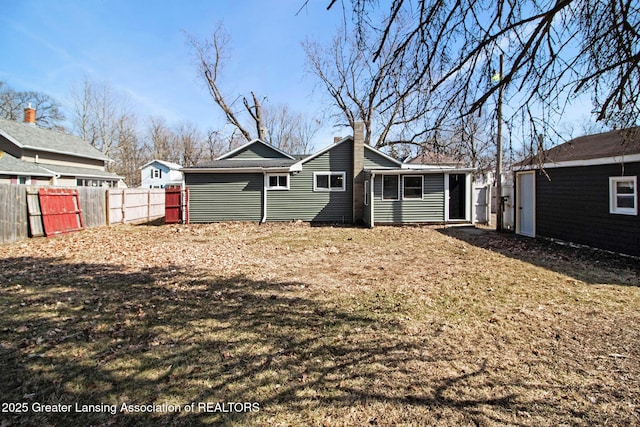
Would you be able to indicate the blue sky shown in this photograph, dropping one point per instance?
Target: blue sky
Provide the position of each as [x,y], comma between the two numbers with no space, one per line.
[138,47]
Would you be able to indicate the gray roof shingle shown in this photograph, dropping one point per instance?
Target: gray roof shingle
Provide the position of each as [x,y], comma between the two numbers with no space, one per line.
[615,143]
[10,165]
[29,136]
[79,172]
[246,164]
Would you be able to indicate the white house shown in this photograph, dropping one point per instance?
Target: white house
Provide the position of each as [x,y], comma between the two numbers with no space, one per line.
[160,174]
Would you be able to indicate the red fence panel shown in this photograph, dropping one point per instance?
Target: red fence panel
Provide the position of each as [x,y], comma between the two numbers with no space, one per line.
[61,211]
[175,205]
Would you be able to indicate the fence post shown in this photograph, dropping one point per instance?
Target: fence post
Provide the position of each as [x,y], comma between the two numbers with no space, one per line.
[107,207]
[123,207]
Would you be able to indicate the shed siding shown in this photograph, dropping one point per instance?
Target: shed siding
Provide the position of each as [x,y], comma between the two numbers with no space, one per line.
[257,151]
[225,197]
[300,202]
[373,160]
[574,206]
[429,209]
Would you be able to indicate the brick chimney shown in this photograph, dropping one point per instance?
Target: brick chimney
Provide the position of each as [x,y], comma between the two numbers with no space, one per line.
[358,172]
[337,139]
[30,115]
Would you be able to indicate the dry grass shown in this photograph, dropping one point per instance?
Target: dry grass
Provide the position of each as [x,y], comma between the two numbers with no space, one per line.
[323,326]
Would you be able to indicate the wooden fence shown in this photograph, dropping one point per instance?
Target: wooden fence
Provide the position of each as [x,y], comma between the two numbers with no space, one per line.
[13,213]
[21,217]
[132,205]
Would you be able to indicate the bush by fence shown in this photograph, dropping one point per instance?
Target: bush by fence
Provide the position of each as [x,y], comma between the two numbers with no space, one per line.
[20,210]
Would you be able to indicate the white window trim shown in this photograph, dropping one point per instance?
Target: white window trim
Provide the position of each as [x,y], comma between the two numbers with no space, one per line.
[397,190]
[613,195]
[421,187]
[277,187]
[329,174]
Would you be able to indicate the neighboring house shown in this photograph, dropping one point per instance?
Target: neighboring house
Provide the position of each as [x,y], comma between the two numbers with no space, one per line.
[161,174]
[33,155]
[347,182]
[583,191]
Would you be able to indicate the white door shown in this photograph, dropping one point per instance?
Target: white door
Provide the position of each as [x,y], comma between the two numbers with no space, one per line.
[526,204]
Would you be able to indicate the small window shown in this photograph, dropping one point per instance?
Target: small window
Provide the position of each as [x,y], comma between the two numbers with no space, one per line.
[623,195]
[412,187]
[157,173]
[329,181]
[277,182]
[366,193]
[390,187]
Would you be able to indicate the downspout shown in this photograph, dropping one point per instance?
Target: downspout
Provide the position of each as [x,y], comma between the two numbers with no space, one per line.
[264,198]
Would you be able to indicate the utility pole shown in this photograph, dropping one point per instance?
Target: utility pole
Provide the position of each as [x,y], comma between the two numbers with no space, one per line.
[500,199]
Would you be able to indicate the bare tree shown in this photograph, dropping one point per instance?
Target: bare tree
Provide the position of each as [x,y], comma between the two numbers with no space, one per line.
[376,93]
[554,50]
[162,140]
[289,131]
[190,144]
[96,113]
[48,111]
[127,153]
[210,55]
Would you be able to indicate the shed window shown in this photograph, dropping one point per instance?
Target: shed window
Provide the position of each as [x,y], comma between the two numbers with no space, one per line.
[278,182]
[623,195]
[412,187]
[329,181]
[390,187]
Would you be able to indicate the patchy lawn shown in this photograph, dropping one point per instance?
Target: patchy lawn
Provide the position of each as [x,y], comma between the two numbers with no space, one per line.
[318,326]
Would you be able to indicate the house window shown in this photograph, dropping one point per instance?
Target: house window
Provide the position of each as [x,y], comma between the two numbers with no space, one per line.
[156,173]
[329,181]
[366,193]
[278,182]
[412,187]
[390,187]
[623,195]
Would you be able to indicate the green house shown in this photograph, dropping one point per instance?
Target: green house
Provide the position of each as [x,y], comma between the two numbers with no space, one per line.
[346,182]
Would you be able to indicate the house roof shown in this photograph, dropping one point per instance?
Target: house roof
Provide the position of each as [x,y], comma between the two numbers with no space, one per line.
[612,146]
[170,165]
[255,141]
[242,165]
[10,165]
[79,172]
[29,136]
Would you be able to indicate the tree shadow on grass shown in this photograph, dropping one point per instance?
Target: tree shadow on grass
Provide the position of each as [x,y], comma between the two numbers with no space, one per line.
[588,265]
[97,334]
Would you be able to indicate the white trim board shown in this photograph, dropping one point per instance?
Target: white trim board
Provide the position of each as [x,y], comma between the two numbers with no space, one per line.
[631,158]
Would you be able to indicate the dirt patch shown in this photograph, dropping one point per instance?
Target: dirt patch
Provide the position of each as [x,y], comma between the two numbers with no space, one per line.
[318,326]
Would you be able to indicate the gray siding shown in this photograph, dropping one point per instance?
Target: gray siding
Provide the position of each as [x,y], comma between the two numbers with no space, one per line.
[300,202]
[373,160]
[573,205]
[257,150]
[429,209]
[225,197]
[9,147]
